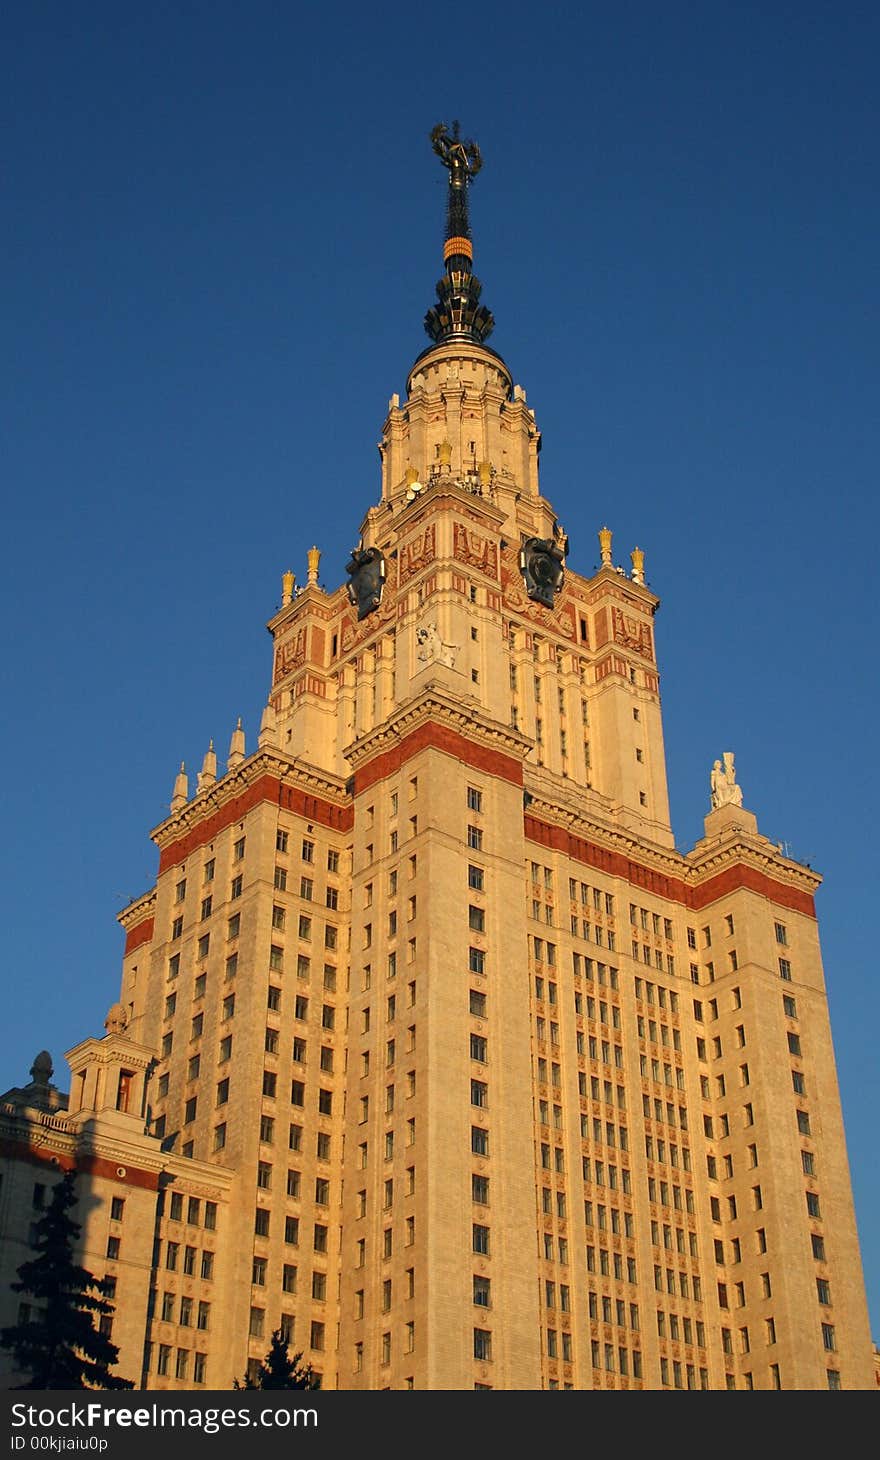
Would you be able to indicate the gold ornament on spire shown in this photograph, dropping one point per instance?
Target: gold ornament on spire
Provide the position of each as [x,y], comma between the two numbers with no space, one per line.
[605,546]
[288,583]
[314,558]
[637,558]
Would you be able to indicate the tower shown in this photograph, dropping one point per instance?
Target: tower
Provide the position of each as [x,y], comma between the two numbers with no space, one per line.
[432,1050]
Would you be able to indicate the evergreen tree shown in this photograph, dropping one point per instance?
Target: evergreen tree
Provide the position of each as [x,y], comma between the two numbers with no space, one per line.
[281,1370]
[58,1346]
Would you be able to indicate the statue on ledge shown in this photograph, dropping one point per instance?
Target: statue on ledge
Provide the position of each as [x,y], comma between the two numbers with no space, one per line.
[724,789]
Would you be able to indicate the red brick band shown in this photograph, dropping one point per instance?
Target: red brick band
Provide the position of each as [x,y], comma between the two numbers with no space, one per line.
[433,736]
[267,788]
[140,933]
[83,1165]
[675,889]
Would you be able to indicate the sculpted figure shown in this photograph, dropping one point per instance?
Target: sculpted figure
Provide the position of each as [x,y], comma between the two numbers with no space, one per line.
[432,648]
[723,786]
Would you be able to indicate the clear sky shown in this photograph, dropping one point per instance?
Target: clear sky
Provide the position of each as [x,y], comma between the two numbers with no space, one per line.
[222,228]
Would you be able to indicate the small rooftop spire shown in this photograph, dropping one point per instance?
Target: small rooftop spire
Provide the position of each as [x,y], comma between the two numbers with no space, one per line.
[458,314]
[181,789]
[268,735]
[208,774]
[236,747]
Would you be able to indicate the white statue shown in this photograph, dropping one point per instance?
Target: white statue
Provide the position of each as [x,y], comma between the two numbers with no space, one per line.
[432,648]
[725,791]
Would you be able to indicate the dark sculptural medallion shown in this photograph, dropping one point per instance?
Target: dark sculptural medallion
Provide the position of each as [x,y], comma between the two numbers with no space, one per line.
[541,562]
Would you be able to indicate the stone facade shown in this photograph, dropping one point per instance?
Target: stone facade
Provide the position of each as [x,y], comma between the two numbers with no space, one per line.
[479,1082]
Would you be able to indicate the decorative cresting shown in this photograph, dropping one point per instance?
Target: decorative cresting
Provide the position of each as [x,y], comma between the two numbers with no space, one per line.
[458,314]
[367,569]
[541,561]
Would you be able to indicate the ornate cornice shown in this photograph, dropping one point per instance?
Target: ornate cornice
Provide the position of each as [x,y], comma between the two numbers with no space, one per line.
[269,762]
[138,910]
[755,860]
[31,1134]
[438,708]
[605,834]
[753,850]
[448,486]
[609,583]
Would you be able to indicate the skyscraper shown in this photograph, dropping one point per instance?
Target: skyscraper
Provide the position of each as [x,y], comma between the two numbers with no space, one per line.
[431,1049]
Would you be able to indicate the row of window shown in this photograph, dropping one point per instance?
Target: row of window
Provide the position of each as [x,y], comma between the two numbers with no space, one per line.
[307,852]
[181,1367]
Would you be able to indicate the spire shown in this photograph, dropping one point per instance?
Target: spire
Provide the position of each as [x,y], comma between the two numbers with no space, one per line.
[236,747]
[181,789]
[458,314]
[208,774]
[268,736]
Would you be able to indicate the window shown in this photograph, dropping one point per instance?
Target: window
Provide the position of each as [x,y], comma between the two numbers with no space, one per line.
[238,849]
[781,933]
[482,1344]
[794,1044]
[829,1341]
[476,878]
[474,799]
[477,1004]
[479,1048]
[479,1141]
[482,1292]
[479,1093]
[475,838]
[480,1189]
[476,919]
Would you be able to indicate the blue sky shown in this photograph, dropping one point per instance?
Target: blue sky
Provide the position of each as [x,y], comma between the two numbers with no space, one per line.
[223,226]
